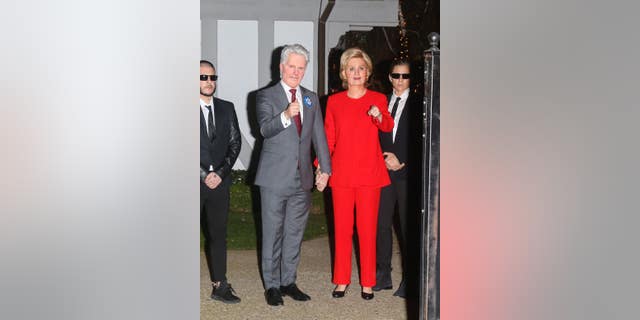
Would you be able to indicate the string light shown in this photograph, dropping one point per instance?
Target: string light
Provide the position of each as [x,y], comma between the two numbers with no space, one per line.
[404,40]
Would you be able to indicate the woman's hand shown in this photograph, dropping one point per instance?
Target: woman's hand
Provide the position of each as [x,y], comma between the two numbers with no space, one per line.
[375,112]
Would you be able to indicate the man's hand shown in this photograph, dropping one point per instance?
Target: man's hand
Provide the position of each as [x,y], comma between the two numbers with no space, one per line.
[292,110]
[212,180]
[375,112]
[321,180]
[392,161]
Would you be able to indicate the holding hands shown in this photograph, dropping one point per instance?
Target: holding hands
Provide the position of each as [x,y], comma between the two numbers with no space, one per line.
[392,161]
[321,179]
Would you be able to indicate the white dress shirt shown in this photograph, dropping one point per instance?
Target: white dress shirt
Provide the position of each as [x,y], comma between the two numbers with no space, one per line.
[205,112]
[403,101]
[287,122]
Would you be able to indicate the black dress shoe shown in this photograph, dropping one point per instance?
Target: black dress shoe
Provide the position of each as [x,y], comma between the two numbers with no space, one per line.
[383,281]
[224,293]
[274,297]
[366,296]
[381,286]
[402,290]
[295,293]
[339,294]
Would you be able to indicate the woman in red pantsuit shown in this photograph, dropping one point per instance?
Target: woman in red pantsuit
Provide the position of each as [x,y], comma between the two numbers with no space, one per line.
[352,121]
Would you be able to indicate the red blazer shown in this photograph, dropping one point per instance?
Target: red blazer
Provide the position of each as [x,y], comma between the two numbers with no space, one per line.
[352,135]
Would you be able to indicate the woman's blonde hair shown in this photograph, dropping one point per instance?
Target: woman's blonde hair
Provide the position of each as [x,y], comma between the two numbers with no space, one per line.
[350,54]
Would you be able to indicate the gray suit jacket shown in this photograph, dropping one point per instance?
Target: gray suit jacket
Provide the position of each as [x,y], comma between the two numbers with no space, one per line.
[282,149]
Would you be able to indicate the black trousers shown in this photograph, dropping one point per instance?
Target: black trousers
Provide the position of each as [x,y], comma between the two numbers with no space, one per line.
[390,196]
[214,213]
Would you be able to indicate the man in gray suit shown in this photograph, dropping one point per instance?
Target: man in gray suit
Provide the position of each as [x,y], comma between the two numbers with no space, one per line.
[290,121]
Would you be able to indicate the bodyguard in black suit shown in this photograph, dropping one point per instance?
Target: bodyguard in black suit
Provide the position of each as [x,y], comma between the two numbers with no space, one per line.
[401,151]
[219,148]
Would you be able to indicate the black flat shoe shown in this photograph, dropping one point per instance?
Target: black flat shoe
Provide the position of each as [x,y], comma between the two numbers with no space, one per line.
[366,296]
[339,294]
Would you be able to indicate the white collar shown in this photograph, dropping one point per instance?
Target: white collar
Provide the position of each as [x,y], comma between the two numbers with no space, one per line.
[204,104]
[403,96]
[287,88]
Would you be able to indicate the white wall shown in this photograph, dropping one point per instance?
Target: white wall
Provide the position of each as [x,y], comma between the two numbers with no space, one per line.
[239,36]
[236,65]
[302,32]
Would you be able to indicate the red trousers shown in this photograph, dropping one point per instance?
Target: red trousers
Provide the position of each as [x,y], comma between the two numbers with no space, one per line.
[366,201]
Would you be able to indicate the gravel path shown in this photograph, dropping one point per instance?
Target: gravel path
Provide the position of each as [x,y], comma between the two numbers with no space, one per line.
[314,278]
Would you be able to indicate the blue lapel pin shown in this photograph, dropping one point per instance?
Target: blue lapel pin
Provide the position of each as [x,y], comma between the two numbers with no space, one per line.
[307,101]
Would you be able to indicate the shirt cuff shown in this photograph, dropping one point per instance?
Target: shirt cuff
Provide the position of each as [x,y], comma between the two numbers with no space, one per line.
[285,122]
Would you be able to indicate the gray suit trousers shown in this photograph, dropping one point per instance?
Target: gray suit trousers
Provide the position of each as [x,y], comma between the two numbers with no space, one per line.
[284,218]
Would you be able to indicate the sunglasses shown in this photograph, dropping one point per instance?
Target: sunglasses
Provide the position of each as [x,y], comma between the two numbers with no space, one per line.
[212,77]
[398,75]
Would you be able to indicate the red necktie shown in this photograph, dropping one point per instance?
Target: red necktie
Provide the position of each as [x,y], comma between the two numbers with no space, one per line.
[296,119]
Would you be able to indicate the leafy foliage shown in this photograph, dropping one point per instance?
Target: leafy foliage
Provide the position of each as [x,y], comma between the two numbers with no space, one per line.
[242,229]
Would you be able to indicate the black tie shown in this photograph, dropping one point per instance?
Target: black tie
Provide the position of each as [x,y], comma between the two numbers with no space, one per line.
[210,126]
[395,108]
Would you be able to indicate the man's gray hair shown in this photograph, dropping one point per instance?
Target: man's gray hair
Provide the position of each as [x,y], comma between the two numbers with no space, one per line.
[294,48]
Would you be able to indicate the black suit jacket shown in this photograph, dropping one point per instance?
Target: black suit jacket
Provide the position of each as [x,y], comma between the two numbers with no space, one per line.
[223,150]
[407,145]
